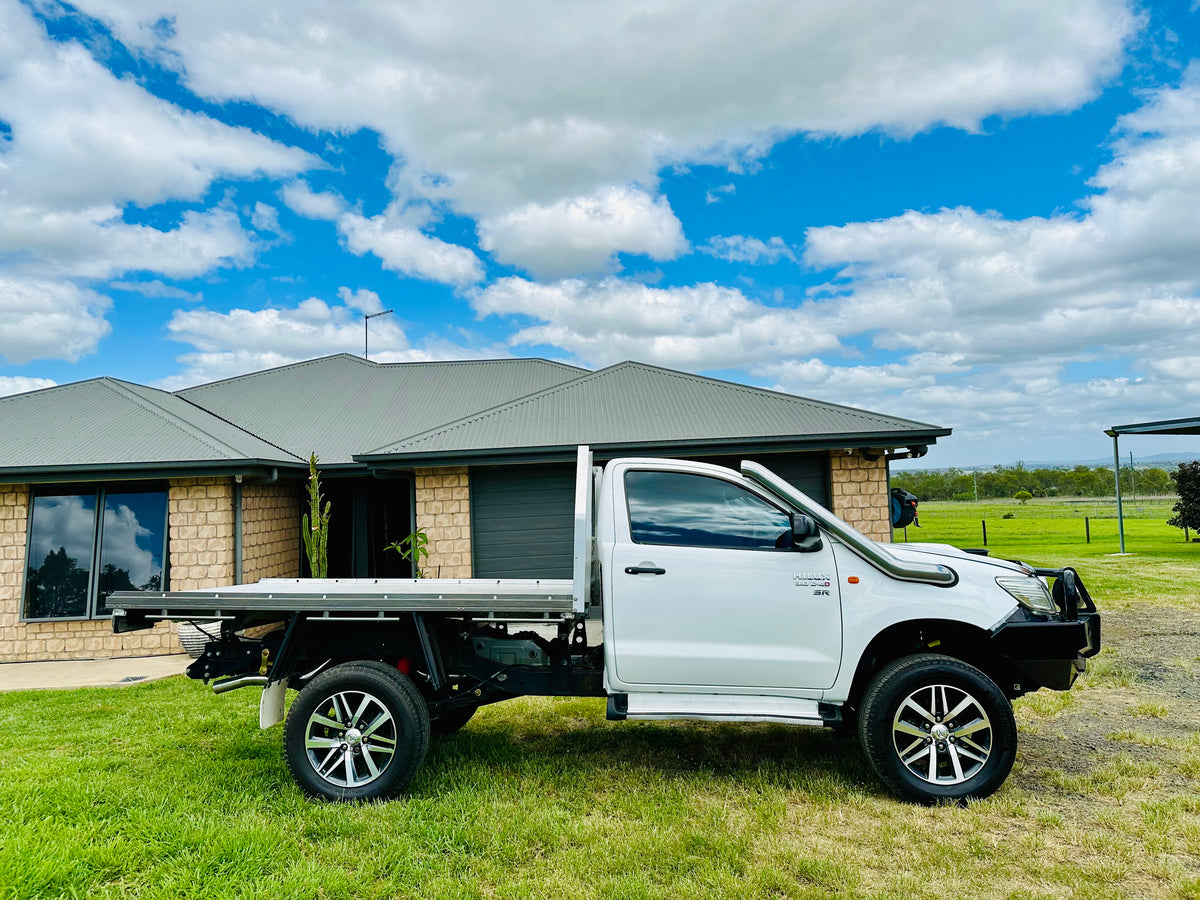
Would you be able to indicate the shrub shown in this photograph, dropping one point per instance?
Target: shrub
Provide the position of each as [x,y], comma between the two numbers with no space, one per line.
[1187,485]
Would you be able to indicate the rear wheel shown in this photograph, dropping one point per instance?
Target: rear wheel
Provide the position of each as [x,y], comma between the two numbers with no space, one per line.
[358,731]
[935,728]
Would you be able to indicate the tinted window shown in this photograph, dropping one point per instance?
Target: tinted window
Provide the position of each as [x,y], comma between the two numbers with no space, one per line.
[62,534]
[697,511]
[133,541]
[76,558]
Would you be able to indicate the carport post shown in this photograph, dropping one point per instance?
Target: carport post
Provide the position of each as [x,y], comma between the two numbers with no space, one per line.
[1117,478]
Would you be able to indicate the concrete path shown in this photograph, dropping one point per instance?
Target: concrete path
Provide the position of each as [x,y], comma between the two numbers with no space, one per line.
[73,673]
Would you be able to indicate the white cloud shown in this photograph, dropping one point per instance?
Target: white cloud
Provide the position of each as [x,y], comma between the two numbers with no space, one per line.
[265,217]
[582,234]
[1029,309]
[739,248]
[19,384]
[49,320]
[704,326]
[1121,275]
[717,194]
[83,146]
[242,340]
[156,288]
[83,138]
[95,243]
[505,111]
[302,200]
[404,249]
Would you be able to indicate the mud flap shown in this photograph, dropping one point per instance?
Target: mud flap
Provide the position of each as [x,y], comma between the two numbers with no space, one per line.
[270,708]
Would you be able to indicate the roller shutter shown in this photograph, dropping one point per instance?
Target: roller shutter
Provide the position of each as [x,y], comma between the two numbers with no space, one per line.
[521,521]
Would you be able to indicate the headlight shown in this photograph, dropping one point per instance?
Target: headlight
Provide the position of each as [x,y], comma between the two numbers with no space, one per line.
[1031,593]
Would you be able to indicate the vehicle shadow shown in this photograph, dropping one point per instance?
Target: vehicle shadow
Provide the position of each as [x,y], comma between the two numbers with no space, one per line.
[818,760]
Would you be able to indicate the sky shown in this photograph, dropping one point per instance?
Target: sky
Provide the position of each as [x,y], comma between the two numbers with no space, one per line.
[981,216]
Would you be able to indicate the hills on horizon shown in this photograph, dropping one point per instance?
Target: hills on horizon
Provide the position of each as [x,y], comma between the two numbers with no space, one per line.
[1154,460]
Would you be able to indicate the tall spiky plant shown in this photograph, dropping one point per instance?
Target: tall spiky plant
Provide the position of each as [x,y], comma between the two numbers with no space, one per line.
[316,528]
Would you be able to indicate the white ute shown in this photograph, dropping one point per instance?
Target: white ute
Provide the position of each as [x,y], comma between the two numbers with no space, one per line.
[721,595]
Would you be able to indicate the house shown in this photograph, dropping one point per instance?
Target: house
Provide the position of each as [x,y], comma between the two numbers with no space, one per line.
[107,485]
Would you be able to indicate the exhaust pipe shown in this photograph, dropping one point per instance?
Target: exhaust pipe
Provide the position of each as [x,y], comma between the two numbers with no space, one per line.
[232,684]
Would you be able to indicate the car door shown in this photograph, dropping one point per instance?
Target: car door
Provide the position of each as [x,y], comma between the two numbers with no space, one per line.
[708,590]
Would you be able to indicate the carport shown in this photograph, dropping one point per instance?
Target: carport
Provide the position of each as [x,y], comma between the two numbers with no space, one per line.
[1167,426]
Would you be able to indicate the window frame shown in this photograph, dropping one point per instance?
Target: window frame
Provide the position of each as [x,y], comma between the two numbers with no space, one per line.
[788,513]
[99,492]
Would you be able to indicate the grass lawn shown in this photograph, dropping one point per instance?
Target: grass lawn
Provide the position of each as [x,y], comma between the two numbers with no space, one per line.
[165,790]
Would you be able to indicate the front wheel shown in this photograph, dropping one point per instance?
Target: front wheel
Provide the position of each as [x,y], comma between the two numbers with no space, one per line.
[935,728]
[358,731]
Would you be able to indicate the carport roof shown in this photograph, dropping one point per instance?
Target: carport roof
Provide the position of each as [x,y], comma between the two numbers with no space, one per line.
[1166,426]
[634,407]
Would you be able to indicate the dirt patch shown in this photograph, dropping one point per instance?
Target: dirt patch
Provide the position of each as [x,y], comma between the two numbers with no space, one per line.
[1139,703]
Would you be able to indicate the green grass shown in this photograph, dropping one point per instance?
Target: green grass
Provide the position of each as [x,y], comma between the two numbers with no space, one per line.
[1052,533]
[167,791]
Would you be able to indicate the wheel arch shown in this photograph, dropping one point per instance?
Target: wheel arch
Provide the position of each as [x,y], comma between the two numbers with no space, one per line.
[960,640]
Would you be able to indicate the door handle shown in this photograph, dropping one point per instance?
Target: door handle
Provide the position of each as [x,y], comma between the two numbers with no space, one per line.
[644,570]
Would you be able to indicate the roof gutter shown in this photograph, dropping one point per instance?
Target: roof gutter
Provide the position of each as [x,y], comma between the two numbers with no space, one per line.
[380,463]
[156,471]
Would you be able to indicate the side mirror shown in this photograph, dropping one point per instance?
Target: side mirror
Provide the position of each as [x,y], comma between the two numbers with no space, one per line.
[806,536]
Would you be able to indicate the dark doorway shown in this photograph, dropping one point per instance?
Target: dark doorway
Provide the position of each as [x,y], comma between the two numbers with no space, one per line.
[366,515]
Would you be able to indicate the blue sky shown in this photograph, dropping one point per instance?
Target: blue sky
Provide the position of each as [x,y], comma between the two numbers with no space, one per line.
[984,220]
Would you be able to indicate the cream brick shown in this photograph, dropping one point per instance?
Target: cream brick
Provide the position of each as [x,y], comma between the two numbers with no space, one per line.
[442,510]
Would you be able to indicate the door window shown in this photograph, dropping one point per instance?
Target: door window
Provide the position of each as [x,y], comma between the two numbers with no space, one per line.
[681,509]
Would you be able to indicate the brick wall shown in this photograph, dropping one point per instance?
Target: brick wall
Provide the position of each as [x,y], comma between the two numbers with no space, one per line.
[270,531]
[443,512]
[200,516]
[860,493]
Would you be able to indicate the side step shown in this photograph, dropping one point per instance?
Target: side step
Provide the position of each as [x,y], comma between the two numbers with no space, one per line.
[721,708]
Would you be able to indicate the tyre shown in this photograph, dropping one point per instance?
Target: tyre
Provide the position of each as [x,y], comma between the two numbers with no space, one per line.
[452,722]
[358,731]
[935,728]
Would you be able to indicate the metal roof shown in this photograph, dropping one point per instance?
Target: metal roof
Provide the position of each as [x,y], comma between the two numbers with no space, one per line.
[337,406]
[632,405]
[110,426]
[1166,426]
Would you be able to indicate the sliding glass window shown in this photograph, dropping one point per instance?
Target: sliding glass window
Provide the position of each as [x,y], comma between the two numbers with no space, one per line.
[76,558]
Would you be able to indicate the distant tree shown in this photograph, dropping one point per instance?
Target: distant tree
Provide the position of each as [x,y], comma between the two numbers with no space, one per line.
[1187,485]
[1022,496]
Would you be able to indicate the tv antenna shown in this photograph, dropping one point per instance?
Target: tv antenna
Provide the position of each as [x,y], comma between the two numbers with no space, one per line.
[366,327]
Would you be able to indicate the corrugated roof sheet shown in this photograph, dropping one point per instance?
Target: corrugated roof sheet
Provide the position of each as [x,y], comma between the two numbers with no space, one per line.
[633,403]
[1166,426]
[338,406]
[109,423]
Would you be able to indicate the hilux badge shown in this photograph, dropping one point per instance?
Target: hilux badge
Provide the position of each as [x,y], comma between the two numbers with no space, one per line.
[811,579]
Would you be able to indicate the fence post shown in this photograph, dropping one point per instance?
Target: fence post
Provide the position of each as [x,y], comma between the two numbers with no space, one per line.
[983,522]
[1087,528]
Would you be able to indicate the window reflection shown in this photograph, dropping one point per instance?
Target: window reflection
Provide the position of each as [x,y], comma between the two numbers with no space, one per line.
[132,546]
[61,538]
[63,558]
[697,511]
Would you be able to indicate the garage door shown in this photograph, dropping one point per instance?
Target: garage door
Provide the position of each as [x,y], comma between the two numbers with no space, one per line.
[521,516]
[521,521]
